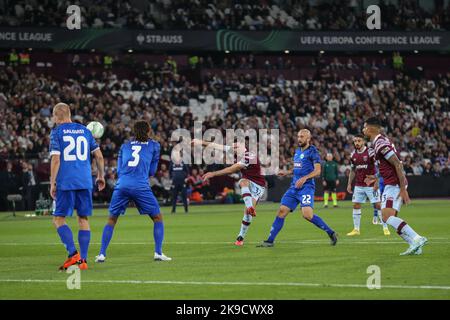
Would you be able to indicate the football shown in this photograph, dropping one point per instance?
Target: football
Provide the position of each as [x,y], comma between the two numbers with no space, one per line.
[96,128]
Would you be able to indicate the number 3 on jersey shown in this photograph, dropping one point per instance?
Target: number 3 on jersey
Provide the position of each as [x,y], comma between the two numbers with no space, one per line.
[135,155]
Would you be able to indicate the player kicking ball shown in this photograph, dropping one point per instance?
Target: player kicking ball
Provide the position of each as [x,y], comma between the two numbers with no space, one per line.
[252,183]
[363,165]
[395,192]
[138,159]
[302,189]
[71,145]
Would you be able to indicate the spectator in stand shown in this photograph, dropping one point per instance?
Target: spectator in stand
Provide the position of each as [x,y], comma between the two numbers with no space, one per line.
[166,183]
[196,183]
[29,186]
[9,185]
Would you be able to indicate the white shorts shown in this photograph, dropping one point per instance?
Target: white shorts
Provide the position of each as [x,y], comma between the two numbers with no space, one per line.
[389,198]
[360,194]
[256,190]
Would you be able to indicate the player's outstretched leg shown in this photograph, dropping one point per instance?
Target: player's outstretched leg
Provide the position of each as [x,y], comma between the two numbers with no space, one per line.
[318,222]
[247,197]
[158,235]
[277,225]
[84,238]
[246,221]
[356,220]
[66,236]
[245,225]
[107,234]
[415,241]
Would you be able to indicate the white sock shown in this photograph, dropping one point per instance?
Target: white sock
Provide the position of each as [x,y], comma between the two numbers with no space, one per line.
[247,197]
[406,238]
[245,225]
[395,222]
[356,218]
[380,216]
[410,233]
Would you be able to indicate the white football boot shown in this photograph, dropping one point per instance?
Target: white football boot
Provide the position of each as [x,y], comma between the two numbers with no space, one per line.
[161,257]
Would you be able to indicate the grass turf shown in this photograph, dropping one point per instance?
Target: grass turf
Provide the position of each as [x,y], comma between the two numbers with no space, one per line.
[206,264]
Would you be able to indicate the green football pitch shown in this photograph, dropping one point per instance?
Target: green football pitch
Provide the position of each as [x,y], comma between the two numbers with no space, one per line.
[207,265]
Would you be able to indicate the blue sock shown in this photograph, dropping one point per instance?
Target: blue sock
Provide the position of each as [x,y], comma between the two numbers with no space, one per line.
[67,238]
[106,238]
[84,237]
[158,235]
[319,223]
[276,227]
[375,211]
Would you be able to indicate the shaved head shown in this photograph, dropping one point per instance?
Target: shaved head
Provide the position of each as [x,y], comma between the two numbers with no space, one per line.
[304,137]
[306,132]
[61,113]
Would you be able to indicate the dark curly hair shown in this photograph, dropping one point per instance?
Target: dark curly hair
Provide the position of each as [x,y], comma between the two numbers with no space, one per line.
[141,130]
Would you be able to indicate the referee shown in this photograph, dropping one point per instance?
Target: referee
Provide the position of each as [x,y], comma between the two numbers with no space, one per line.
[330,180]
[179,173]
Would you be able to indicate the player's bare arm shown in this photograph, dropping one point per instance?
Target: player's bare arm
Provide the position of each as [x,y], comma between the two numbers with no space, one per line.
[228,170]
[284,173]
[313,174]
[54,168]
[369,179]
[351,176]
[214,145]
[376,184]
[100,169]
[401,178]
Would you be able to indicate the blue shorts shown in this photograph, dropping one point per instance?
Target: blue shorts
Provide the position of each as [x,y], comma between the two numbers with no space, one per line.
[68,200]
[293,197]
[145,201]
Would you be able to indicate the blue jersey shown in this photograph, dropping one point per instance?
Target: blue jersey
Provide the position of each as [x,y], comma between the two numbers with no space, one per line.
[137,162]
[74,143]
[304,164]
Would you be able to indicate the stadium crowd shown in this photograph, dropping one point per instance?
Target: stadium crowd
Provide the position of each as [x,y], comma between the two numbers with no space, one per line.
[414,112]
[226,14]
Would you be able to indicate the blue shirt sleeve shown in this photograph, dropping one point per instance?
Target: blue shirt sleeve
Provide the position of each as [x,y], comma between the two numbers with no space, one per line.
[155,159]
[54,143]
[315,157]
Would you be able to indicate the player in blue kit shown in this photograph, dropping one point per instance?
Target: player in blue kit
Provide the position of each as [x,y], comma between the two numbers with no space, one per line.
[301,191]
[71,145]
[138,160]
[376,216]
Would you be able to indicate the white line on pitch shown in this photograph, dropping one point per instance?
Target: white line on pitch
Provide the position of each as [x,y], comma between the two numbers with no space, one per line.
[214,283]
[218,242]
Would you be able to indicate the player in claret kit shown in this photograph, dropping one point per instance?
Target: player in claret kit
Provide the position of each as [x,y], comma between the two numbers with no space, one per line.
[363,165]
[302,189]
[138,160]
[395,192]
[252,183]
[71,145]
